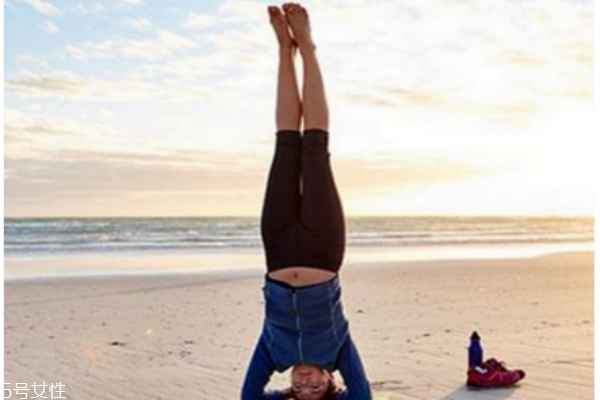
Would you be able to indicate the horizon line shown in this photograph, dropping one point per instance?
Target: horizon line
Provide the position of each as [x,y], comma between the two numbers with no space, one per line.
[347,216]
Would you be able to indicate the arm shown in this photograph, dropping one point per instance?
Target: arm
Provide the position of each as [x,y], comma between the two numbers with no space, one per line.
[258,375]
[353,372]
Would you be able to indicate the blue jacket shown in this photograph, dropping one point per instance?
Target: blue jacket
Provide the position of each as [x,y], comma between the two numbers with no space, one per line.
[305,326]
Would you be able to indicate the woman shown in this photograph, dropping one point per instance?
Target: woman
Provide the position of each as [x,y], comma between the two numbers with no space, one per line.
[304,239]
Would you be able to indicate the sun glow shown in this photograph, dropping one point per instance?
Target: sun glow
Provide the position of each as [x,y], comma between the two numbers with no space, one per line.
[548,170]
[462,108]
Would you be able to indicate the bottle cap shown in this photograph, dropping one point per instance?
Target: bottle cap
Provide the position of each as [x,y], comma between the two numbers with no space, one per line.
[475,336]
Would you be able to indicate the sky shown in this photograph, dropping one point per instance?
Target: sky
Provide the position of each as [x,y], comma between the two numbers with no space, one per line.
[437,107]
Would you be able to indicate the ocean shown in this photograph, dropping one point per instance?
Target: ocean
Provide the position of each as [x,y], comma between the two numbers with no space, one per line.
[56,240]
[108,235]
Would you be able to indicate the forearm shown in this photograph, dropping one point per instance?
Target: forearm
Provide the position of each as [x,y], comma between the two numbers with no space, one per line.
[352,370]
[259,373]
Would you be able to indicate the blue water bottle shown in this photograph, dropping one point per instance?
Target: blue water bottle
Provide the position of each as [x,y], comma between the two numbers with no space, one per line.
[475,351]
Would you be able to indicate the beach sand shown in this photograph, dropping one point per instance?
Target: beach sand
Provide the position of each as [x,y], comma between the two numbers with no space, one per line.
[191,336]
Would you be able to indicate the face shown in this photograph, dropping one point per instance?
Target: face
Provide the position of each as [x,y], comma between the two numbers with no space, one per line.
[310,382]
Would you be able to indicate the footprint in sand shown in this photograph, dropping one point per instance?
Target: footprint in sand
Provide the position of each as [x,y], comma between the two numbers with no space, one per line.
[389,385]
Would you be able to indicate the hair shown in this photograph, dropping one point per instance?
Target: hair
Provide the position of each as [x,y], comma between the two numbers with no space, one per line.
[330,394]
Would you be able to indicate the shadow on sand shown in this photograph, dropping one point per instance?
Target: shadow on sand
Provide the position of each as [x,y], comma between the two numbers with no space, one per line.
[403,392]
[463,393]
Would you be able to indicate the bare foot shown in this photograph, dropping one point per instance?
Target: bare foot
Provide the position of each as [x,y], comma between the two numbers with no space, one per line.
[297,17]
[280,25]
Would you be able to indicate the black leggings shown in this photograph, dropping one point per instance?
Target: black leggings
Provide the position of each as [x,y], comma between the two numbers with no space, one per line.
[302,227]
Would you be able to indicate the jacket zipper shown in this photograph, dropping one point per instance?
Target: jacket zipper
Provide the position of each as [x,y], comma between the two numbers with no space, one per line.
[295,307]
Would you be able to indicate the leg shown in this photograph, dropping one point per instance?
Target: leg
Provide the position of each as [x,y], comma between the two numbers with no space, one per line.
[321,202]
[289,106]
[321,208]
[315,109]
[281,207]
[321,205]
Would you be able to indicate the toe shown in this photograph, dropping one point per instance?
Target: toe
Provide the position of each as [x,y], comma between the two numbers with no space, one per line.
[276,12]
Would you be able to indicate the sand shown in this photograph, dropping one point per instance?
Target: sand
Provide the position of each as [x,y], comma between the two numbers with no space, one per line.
[190,336]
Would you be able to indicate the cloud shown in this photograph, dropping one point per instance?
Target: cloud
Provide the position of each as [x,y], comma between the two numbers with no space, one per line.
[42,7]
[30,60]
[83,9]
[91,173]
[464,80]
[141,24]
[517,58]
[49,27]
[165,45]
[199,21]
[132,2]
[381,172]
[369,99]
[412,96]
[249,39]
[69,86]
[498,61]
[65,181]
[243,11]
[399,98]
[19,126]
[578,51]
[34,136]
[200,67]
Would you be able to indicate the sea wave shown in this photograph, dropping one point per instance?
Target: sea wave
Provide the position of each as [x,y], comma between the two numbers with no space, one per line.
[69,235]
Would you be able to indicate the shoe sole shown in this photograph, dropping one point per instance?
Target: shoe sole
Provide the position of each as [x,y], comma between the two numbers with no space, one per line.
[475,387]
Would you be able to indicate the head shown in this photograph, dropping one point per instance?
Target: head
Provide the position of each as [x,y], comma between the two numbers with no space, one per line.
[310,382]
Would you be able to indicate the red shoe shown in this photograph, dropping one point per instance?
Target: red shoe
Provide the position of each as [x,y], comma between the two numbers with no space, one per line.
[493,373]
